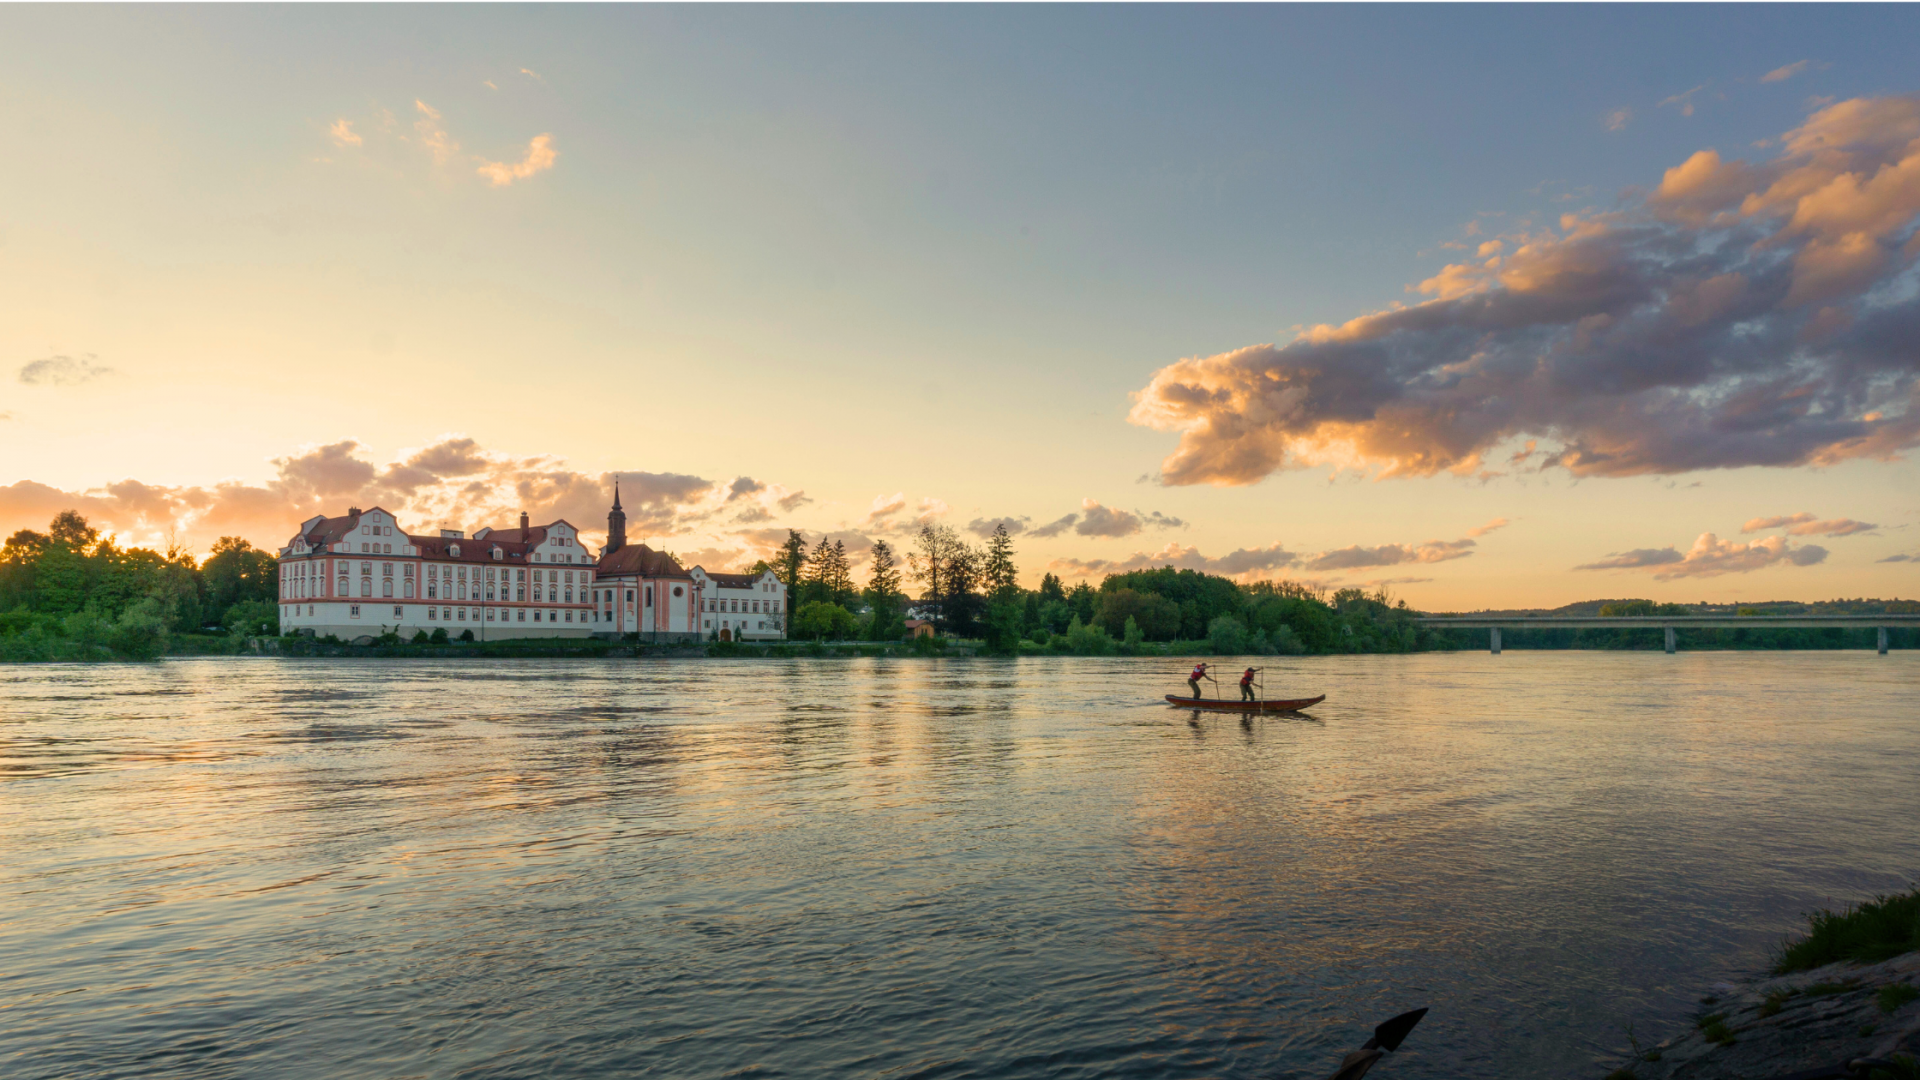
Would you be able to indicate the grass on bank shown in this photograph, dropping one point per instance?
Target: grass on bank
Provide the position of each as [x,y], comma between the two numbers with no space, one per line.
[1867,933]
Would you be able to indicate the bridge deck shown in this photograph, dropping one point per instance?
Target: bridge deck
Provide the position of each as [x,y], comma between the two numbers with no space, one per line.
[1661,622]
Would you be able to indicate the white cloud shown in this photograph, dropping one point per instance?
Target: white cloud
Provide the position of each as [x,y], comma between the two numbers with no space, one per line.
[343,133]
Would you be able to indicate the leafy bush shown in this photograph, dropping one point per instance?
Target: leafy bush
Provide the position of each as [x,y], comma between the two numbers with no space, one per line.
[466,635]
[141,631]
[420,637]
[1880,929]
[439,636]
[252,617]
[1227,635]
[823,619]
[1084,640]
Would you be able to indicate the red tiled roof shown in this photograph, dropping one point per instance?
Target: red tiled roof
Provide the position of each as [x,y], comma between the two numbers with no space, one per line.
[641,561]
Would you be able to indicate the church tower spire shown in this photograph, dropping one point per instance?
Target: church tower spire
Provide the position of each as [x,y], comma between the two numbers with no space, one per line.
[616,523]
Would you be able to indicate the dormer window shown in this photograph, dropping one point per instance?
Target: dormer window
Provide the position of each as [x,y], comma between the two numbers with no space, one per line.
[453,550]
[496,555]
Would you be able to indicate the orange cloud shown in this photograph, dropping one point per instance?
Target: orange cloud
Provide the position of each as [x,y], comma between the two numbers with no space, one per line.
[1721,323]
[1805,524]
[539,157]
[1711,556]
[453,483]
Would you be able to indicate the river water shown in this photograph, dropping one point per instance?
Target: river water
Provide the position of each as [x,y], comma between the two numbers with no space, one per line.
[917,868]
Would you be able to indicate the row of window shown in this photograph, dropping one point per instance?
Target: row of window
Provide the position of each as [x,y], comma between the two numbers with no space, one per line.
[450,614]
[772,606]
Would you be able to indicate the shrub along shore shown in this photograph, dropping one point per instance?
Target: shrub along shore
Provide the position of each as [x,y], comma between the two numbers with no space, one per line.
[69,594]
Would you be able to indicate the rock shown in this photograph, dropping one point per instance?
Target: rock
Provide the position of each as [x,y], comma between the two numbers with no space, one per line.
[1811,1019]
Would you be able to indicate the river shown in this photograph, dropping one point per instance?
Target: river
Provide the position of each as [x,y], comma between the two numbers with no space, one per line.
[918,868]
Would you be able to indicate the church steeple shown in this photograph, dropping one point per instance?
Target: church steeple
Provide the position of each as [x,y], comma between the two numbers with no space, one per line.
[616,523]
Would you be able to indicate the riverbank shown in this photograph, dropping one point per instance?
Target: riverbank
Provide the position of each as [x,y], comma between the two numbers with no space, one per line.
[1774,1027]
[1848,990]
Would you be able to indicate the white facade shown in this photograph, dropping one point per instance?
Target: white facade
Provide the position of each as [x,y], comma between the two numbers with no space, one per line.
[736,607]
[362,575]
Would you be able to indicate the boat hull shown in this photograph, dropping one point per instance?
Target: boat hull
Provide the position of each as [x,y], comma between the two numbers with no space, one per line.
[1226,705]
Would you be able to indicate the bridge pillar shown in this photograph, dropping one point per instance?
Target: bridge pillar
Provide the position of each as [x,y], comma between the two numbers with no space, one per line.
[1883,641]
[1669,639]
[1493,641]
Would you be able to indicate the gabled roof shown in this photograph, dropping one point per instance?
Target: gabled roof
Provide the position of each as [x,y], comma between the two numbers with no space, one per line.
[732,581]
[641,561]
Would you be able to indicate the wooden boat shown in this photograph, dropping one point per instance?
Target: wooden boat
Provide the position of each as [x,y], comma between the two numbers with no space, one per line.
[1229,705]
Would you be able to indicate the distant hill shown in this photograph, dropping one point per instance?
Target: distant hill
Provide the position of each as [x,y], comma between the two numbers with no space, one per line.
[1753,607]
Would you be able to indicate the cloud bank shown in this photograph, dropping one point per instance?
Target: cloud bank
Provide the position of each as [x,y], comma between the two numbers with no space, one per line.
[454,483]
[1804,524]
[1740,315]
[1711,556]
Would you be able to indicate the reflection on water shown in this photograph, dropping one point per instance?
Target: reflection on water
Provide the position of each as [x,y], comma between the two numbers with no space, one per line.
[916,868]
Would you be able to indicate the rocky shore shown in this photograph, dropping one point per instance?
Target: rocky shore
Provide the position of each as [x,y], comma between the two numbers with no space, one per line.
[1763,1028]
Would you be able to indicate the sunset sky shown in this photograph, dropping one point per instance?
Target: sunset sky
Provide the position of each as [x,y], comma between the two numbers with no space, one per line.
[1494,306]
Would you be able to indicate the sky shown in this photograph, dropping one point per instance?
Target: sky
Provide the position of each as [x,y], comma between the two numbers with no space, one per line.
[1486,306]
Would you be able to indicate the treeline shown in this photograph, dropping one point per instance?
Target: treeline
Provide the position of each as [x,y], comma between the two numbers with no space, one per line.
[71,594]
[972,591]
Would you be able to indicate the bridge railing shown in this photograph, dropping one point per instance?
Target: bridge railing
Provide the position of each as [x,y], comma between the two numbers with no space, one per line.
[1493,624]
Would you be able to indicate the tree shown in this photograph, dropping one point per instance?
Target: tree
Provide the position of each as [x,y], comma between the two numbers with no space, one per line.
[883,576]
[1050,590]
[928,562]
[252,617]
[883,595]
[72,531]
[1157,617]
[1002,626]
[997,572]
[962,607]
[821,619]
[238,571]
[828,575]
[788,564]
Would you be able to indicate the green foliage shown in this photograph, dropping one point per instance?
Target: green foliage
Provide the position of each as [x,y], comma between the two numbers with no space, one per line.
[1050,590]
[466,635]
[1158,617]
[1648,607]
[420,637]
[1227,635]
[252,617]
[1084,640]
[789,564]
[829,575]
[237,572]
[1131,635]
[997,571]
[1894,995]
[438,637]
[141,631]
[821,620]
[1004,619]
[883,579]
[1867,933]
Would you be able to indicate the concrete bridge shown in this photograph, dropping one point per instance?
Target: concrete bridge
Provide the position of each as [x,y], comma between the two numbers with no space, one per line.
[1669,623]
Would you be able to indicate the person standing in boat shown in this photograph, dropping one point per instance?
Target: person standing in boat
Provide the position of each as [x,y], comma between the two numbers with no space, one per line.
[1193,680]
[1246,684]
